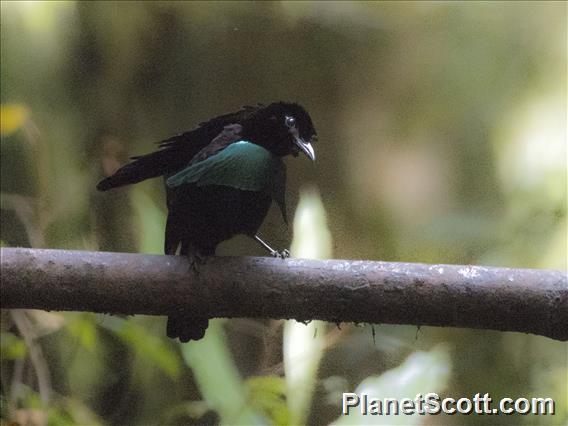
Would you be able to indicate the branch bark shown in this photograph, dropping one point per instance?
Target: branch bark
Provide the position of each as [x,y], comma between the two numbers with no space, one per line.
[522,300]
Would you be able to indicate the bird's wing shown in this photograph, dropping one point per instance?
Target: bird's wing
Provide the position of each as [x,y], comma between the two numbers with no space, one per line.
[230,134]
[176,152]
[242,165]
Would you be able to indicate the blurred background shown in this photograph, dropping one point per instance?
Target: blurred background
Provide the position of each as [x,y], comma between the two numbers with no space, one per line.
[442,139]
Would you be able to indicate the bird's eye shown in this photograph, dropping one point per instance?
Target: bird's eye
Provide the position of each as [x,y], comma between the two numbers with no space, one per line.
[290,121]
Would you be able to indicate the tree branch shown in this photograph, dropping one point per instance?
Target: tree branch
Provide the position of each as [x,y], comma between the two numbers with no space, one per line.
[523,300]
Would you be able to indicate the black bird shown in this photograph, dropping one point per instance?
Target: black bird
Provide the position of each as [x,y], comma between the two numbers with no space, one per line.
[220,180]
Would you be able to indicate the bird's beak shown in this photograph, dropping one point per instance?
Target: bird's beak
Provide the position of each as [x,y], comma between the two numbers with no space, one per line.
[305,147]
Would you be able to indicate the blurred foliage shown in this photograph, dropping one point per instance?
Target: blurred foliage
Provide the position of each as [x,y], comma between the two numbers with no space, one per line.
[304,344]
[12,117]
[218,378]
[442,131]
[420,374]
[12,347]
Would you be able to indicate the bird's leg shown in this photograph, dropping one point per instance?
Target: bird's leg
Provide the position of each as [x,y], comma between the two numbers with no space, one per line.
[195,259]
[274,253]
[196,255]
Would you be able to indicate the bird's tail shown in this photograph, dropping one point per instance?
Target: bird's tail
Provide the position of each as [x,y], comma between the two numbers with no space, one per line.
[158,163]
[183,326]
[186,328]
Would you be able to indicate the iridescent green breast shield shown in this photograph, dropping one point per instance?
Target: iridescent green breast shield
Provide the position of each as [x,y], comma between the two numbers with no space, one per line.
[242,165]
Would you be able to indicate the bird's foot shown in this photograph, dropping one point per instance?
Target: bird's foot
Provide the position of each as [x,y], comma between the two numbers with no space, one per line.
[195,260]
[274,253]
[284,254]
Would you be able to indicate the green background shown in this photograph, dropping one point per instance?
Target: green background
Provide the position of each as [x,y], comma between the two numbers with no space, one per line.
[442,139]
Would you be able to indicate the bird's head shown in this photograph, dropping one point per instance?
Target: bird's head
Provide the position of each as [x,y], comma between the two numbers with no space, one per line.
[283,128]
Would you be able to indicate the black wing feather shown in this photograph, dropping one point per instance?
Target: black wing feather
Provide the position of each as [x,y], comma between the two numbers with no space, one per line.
[174,153]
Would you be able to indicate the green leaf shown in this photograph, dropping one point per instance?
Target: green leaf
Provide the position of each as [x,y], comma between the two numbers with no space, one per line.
[83,327]
[12,117]
[192,409]
[151,220]
[312,238]
[79,412]
[421,373]
[11,346]
[146,345]
[218,378]
[267,395]
[304,344]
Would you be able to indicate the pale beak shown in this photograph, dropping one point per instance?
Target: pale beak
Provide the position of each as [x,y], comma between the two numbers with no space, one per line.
[306,148]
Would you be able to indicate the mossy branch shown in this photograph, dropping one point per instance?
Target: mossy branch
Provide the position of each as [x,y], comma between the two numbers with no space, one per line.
[522,300]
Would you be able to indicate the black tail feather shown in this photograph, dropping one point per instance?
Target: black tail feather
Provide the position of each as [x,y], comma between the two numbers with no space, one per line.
[186,328]
[147,166]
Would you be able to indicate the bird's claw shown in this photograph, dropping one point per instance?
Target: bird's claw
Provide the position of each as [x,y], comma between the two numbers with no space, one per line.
[195,260]
[274,253]
[284,254]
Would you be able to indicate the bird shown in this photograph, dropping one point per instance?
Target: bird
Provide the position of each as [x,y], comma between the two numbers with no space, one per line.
[221,179]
